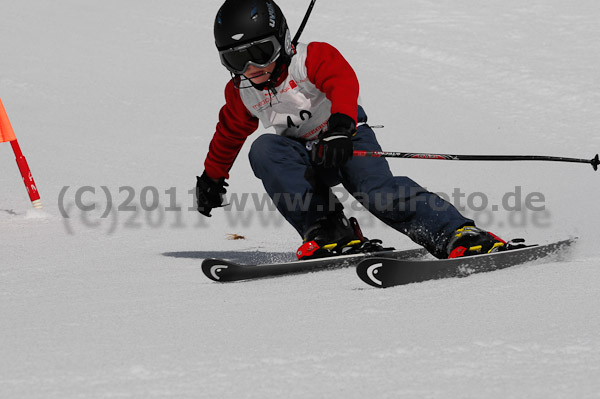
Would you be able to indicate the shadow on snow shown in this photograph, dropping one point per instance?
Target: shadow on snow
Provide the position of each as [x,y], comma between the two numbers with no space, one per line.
[247,257]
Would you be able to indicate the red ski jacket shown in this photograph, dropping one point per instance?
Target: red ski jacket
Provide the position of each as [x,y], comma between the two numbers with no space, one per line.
[317,83]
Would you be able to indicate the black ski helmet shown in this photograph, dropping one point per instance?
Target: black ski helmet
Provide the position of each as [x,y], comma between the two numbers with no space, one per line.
[242,22]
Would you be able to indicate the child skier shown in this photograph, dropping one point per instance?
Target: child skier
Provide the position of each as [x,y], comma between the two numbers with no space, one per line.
[309,95]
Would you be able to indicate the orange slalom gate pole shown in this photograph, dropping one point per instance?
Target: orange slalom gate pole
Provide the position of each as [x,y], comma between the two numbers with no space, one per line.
[7,134]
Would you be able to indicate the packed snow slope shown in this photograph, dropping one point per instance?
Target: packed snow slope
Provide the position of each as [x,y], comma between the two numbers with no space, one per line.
[114,104]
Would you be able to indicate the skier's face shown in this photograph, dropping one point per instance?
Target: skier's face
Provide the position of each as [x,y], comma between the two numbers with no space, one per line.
[259,75]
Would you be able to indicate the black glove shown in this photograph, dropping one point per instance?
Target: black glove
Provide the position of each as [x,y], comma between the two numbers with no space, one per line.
[334,147]
[209,193]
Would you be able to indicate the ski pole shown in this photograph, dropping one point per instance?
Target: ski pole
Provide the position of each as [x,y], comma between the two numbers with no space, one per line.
[303,23]
[412,155]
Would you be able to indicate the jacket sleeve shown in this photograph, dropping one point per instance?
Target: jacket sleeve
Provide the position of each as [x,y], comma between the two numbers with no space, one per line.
[329,71]
[236,123]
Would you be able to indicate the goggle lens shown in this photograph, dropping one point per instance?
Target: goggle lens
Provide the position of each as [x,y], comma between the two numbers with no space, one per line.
[260,54]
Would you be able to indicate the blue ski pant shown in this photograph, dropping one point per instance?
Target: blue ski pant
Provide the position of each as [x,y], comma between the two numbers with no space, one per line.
[301,190]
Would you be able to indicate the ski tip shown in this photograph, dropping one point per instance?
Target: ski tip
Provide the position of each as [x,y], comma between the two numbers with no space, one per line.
[216,269]
[368,271]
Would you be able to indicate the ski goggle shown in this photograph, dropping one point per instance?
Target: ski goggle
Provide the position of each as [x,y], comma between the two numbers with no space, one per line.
[260,53]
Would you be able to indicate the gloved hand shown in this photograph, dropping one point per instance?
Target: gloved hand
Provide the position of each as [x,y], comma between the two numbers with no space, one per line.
[334,147]
[209,193]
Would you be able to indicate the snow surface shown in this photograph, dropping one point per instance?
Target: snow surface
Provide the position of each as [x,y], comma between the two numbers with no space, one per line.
[122,97]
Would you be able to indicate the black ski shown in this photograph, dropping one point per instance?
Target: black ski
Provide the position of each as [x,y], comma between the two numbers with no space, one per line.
[224,271]
[382,272]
